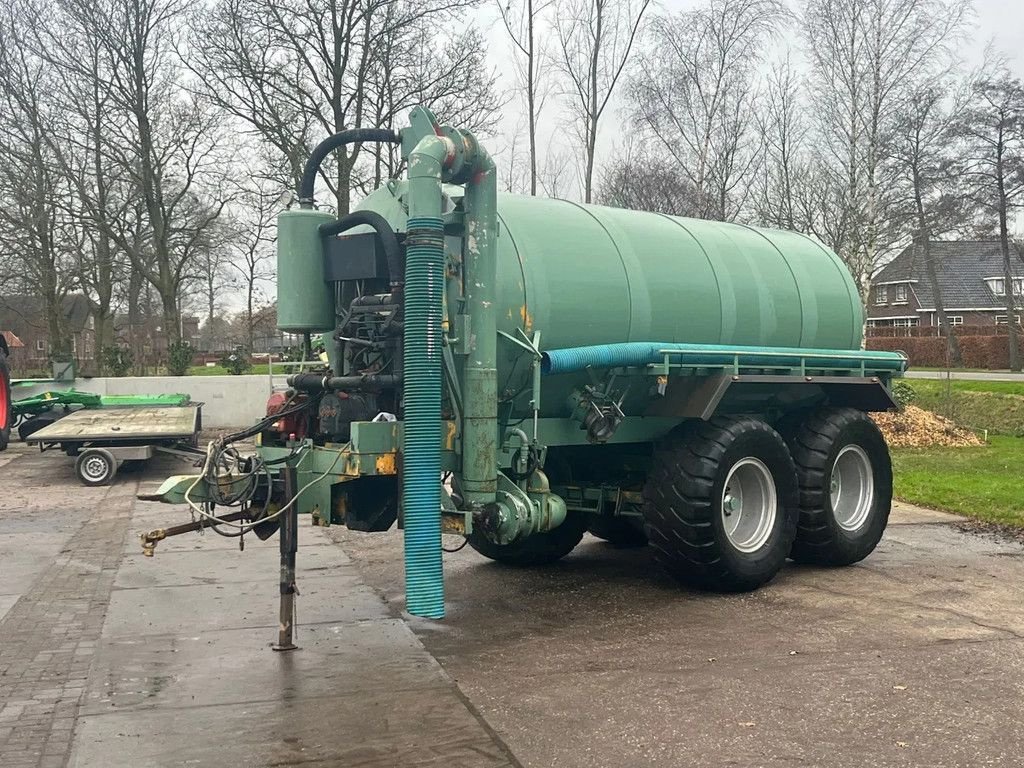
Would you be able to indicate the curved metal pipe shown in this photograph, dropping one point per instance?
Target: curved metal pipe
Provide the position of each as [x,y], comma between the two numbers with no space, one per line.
[331,143]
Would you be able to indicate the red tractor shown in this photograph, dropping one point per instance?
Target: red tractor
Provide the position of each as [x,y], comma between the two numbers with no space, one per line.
[6,416]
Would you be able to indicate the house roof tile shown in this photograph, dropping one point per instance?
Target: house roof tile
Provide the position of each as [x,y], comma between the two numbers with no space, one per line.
[961,268]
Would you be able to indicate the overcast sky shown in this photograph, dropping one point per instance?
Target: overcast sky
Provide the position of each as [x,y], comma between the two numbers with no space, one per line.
[1000,22]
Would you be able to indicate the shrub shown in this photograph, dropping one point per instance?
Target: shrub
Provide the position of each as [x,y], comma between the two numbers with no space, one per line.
[179,358]
[903,394]
[117,361]
[236,363]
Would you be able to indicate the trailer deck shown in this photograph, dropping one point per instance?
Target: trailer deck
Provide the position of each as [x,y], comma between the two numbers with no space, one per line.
[103,439]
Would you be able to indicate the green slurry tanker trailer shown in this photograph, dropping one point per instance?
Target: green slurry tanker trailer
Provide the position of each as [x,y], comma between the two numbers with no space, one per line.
[521,370]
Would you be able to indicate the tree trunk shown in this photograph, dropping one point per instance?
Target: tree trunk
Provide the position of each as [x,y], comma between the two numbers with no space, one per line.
[531,98]
[953,357]
[1004,244]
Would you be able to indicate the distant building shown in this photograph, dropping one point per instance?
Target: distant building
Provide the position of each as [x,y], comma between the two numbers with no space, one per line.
[970,276]
[25,317]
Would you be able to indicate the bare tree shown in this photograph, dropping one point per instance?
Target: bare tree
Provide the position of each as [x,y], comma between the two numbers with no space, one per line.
[78,145]
[33,229]
[992,127]
[928,166]
[521,19]
[865,56]
[785,169]
[169,145]
[595,40]
[662,187]
[693,88]
[253,250]
[294,71]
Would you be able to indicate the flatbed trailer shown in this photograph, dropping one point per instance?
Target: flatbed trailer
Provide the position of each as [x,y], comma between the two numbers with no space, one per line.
[103,439]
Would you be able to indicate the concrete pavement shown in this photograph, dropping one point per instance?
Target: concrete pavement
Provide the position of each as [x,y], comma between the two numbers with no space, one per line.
[914,657]
[110,659]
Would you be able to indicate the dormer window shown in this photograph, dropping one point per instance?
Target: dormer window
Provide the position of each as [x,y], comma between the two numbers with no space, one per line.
[900,293]
[998,286]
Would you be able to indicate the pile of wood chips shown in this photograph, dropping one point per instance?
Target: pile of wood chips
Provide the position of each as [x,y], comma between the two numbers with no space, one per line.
[918,428]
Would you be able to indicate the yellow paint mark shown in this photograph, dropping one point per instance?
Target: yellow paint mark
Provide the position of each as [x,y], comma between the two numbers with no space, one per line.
[386,464]
[449,439]
[527,319]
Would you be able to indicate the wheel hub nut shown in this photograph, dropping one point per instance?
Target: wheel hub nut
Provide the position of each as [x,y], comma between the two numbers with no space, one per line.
[729,504]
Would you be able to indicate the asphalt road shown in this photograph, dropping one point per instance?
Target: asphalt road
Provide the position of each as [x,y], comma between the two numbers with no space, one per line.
[914,657]
[966,375]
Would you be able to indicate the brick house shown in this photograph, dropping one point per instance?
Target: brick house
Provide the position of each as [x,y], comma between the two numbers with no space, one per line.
[970,276]
[25,317]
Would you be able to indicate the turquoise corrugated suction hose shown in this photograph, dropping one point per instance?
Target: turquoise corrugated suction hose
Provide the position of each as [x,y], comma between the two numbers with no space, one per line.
[421,471]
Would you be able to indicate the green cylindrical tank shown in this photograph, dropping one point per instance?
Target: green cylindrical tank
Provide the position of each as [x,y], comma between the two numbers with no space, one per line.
[588,274]
[305,303]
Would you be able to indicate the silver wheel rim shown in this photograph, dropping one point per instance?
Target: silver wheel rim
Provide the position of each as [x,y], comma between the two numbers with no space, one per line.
[852,488]
[748,505]
[94,468]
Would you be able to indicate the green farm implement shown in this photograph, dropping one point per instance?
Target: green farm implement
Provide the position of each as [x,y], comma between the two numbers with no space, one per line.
[520,371]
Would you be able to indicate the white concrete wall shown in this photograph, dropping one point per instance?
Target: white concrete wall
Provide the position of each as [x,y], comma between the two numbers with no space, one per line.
[229,401]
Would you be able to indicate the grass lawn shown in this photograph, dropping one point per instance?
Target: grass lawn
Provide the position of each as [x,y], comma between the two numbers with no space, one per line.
[984,482]
[997,406]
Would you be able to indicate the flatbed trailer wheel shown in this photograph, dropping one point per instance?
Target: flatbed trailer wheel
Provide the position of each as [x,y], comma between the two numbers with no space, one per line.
[6,404]
[96,466]
[721,504]
[536,549]
[845,476]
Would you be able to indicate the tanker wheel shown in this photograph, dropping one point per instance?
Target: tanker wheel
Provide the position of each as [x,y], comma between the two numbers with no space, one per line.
[617,531]
[536,549]
[845,476]
[721,504]
[6,405]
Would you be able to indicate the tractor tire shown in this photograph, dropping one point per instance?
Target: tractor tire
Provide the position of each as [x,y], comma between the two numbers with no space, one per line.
[721,504]
[536,549]
[6,401]
[617,531]
[845,477]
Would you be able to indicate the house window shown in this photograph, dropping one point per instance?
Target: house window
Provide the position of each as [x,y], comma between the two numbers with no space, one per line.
[905,322]
[899,294]
[997,285]
[955,319]
[872,324]
[1001,319]
[40,345]
[1018,286]
[881,294]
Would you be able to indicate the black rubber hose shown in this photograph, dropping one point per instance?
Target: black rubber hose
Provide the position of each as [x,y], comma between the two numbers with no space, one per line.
[370,382]
[388,240]
[328,145]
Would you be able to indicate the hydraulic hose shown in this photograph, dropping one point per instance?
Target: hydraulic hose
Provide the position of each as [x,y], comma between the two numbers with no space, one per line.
[331,143]
[388,240]
[370,382]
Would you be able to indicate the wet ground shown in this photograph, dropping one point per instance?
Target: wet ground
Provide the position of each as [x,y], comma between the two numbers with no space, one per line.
[914,657]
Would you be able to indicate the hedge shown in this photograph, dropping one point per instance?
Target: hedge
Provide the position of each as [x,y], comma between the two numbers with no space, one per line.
[987,352]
